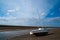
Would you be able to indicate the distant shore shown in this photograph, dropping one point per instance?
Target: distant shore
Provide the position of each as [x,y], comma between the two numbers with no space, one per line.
[13,27]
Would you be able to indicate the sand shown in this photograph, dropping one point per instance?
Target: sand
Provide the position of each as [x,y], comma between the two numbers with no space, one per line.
[53,35]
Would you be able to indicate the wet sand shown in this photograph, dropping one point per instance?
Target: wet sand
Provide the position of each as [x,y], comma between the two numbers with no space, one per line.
[53,35]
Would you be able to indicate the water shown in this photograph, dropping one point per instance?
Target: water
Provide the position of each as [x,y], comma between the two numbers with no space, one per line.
[9,34]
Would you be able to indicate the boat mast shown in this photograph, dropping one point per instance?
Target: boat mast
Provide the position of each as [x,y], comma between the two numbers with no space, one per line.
[39,16]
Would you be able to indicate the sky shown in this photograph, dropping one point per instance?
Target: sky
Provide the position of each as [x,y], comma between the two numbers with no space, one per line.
[30,12]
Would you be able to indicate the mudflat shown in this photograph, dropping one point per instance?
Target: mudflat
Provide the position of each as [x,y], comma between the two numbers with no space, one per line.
[53,35]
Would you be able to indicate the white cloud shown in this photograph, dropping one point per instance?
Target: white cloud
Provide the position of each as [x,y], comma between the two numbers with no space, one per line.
[11,10]
[42,15]
[51,19]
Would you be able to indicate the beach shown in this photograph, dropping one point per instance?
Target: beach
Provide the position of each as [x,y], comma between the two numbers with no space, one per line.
[53,35]
[22,33]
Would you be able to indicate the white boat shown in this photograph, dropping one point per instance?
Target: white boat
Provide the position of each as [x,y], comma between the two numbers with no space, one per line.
[39,32]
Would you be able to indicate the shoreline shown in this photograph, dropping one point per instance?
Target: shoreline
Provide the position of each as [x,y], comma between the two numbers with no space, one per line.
[55,35]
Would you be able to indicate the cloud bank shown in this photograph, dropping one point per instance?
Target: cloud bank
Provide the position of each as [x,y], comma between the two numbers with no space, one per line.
[27,12]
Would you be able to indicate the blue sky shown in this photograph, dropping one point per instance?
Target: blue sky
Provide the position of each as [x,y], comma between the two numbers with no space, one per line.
[30,12]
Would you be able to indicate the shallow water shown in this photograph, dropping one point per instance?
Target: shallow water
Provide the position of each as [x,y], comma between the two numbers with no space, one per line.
[9,34]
